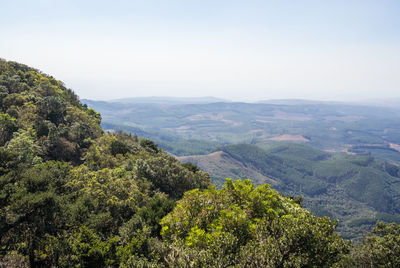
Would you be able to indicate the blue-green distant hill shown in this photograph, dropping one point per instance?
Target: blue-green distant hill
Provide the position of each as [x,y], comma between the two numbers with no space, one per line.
[182,128]
[169,100]
[357,190]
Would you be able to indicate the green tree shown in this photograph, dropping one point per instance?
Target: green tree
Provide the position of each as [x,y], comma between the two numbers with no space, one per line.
[247,226]
[119,147]
[7,127]
[24,144]
[53,109]
[379,249]
[89,250]
[148,145]
[169,176]
[31,207]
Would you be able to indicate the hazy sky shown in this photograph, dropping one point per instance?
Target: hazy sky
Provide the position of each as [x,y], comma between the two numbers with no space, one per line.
[240,50]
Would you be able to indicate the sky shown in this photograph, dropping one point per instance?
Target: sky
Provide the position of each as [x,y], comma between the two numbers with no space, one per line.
[238,50]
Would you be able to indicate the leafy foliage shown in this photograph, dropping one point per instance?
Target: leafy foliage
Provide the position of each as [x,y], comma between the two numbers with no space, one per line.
[244,225]
[379,249]
[356,189]
[35,103]
[71,196]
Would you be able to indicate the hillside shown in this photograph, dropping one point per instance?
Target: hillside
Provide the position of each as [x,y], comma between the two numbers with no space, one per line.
[357,190]
[72,196]
[337,127]
[222,165]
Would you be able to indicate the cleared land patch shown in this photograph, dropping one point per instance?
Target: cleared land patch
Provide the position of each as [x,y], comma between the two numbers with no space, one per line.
[289,137]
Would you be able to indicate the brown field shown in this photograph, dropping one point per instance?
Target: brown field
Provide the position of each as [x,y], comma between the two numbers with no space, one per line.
[395,146]
[347,118]
[291,116]
[217,117]
[288,137]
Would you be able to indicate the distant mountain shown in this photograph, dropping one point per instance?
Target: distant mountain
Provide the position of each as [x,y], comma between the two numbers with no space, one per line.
[337,127]
[392,103]
[351,182]
[357,190]
[169,100]
[72,195]
[297,102]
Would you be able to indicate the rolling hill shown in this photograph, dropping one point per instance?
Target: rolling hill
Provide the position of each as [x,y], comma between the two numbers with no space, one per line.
[357,190]
[343,158]
[336,127]
[74,196]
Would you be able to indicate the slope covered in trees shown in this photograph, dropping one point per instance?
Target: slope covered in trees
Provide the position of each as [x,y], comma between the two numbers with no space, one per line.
[241,225]
[357,190]
[72,196]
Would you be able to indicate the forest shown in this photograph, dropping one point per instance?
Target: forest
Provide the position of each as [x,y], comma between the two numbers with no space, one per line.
[72,195]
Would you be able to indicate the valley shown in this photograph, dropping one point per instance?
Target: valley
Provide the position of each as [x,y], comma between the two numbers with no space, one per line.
[356,190]
[343,159]
[161,134]
[335,127]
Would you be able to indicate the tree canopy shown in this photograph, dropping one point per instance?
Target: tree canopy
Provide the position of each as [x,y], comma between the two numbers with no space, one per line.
[72,196]
[247,226]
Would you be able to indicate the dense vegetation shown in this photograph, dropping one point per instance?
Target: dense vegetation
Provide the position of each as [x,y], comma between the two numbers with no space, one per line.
[241,225]
[357,190]
[69,195]
[72,196]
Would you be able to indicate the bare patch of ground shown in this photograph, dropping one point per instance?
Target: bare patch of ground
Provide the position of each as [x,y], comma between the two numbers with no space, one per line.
[279,115]
[347,118]
[263,121]
[255,131]
[395,146]
[181,129]
[291,116]
[343,150]
[214,117]
[289,137]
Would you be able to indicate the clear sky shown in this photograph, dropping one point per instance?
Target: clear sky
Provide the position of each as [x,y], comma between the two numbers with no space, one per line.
[240,50]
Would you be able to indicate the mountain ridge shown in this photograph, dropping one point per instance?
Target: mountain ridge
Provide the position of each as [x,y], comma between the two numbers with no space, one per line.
[335,127]
[73,196]
[337,180]
[169,100]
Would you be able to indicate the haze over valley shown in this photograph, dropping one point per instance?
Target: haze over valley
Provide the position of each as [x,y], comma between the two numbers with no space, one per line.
[343,158]
[181,133]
